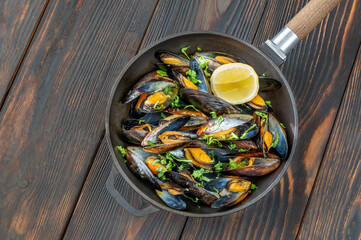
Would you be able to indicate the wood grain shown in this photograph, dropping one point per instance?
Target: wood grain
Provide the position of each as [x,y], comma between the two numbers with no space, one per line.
[169,17]
[317,71]
[334,210]
[53,117]
[98,215]
[18,20]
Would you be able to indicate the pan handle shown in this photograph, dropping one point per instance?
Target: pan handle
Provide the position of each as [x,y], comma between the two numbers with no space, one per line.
[122,202]
[297,29]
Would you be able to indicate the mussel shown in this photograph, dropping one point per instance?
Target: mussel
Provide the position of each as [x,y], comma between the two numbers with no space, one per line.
[279,134]
[202,84]
[192,188]
[150,83]
[136,161]
[182,80]
[173,61]
[157,101]
[232,190]
[134,131]
[207,103]
[171,125]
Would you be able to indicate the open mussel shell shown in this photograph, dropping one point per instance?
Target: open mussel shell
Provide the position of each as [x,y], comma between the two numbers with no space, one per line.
[232,190]
[199,158]
[155,102]
[224,122]
[181,79]
[150,83]
[173,201]
[172,125]
[135,131]
[275,128]
[136,157]
[203,84]
[206,102]
[191,187]
[248,130]
[259,167]
[162,148]
[221,57]
[173,61]
[169,137]
[268,84]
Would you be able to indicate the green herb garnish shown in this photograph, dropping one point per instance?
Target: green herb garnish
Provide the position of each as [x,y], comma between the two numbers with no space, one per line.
[213,114]
[263,74]
[169,156]
[161,172]
[183,50]
[162,114]
[268,103]
[233,165]
[282,125]
[175,102]
[192,76]
[219,121]
[220,166]
[141,121]
[162,67]
[162,73]
[191,106]
[151,143]
[233,136]
[156,107]
[261,114]
[199,49]
[249,129]
[275,142]
[199,174]
[209,140]
[215,189]
[253,186]
[167,89]
[121,150]
[241,150]
[232,146]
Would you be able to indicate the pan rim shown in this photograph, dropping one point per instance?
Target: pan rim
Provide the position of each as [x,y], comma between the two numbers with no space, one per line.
[185,213]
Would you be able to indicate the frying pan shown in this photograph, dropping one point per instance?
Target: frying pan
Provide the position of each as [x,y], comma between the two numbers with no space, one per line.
[267,60]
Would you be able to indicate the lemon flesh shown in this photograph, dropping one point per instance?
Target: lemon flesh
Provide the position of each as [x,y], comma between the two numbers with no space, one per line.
[235,82]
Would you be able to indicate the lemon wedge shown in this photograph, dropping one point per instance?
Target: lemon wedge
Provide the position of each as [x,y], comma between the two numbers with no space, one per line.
[235,83]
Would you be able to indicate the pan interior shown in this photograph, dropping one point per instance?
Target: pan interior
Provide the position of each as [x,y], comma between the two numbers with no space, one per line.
[144,62]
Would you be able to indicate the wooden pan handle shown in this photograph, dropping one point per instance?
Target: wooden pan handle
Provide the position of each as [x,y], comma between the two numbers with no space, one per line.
[310,16]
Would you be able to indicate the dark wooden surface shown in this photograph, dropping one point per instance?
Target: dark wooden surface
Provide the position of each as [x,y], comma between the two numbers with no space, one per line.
[58,62]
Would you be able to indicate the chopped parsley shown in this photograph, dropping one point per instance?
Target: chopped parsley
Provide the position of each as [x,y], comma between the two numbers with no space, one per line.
[169,156]
[275,142]
[253,186]
[192,76]
[233,165]
[175,102]
[193,200]
[191,106]
[167,89]
[161,172]
[261,114]
[263,74]
[121,150]
[183,50]
[151,143]
[199,49]
[268,103]
[156,107]
[199,174]
[249,129]
[282,125]
[241,150]
[215,189]
[141,121]
[232,146]
[233,136]
[162,73]
[204,65]
[219,121]
[209,140]
[220,166]
[213,114]
[163,116]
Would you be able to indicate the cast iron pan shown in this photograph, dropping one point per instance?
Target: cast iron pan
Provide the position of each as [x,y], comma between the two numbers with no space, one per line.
[282,101]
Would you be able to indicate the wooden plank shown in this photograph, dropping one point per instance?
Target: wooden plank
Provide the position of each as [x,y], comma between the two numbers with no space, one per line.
[317,71]
[53,117]
[334,210]
[92,210]
[18,20]
[98,216]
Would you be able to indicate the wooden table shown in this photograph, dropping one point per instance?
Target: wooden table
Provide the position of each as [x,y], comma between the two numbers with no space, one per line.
[58,62]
